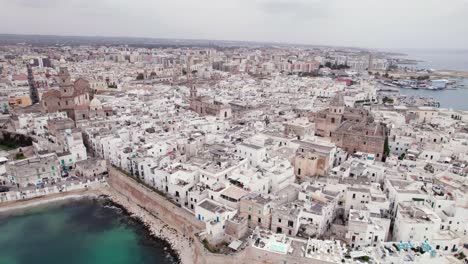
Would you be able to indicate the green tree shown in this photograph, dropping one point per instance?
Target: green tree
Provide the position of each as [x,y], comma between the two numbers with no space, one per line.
[387,100]
[19,156]
[386,148]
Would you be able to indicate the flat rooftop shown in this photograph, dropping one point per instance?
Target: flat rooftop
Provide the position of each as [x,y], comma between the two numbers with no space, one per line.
[213,207]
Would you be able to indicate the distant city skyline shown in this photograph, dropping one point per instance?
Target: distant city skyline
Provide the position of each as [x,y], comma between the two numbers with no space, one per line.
[399,24]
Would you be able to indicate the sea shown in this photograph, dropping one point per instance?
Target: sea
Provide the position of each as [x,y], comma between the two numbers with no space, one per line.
[438,59]
[87,231]
[441,59]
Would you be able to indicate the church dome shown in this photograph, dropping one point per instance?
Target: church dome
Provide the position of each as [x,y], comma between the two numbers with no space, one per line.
[95,103]
[338,100]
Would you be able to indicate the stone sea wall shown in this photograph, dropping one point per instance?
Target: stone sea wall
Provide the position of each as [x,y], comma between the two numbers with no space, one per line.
[158,205]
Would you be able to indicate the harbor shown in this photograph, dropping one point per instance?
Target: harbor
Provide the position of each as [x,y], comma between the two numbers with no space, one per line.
[449,97]
[452,99]
[435,84]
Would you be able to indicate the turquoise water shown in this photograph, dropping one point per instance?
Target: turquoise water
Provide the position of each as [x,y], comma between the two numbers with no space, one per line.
[78,232]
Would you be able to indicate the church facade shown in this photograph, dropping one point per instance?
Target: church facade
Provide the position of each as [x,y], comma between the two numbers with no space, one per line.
[330,119]
[352,129]
[74,98]
[205,105]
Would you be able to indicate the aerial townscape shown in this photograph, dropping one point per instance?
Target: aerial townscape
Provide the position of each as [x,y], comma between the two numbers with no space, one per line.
[236,152]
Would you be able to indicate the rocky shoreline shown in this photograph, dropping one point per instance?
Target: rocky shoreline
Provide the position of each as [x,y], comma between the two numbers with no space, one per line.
[138,221]
[177,245]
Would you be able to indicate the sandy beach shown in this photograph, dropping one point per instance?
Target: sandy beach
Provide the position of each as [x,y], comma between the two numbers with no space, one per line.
[23,204]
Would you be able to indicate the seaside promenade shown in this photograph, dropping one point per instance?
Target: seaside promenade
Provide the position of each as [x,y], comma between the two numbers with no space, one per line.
[65,187]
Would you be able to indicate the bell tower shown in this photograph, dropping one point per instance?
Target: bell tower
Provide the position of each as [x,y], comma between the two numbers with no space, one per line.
[193,89]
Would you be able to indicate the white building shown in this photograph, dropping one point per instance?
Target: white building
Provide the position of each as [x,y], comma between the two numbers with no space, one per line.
[253,153]
[365,230]
[214,215]
[415,222]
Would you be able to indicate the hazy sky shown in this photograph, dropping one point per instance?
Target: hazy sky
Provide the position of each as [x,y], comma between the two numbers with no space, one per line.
[362,23]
